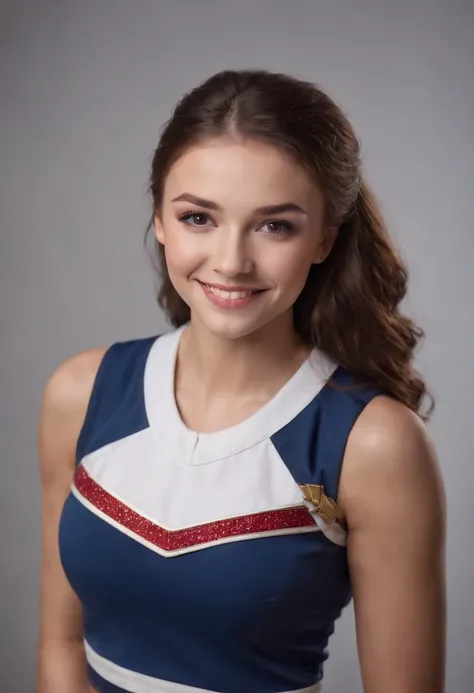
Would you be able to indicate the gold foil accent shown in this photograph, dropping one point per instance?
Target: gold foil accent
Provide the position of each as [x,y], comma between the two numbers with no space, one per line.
[323,505]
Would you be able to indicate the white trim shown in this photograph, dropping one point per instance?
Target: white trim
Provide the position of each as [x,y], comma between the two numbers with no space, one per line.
[135,682]
[206,448]
[332,530]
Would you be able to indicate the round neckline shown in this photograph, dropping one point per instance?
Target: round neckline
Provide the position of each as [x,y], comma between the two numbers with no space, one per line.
[196,448]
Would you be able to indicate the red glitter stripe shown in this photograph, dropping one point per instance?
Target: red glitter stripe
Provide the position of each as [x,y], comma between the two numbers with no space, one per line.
[173,540]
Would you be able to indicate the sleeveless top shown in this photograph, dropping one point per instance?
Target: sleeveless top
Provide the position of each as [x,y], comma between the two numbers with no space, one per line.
[208,562]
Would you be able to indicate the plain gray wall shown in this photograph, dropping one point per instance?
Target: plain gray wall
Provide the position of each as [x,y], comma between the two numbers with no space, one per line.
[85,87]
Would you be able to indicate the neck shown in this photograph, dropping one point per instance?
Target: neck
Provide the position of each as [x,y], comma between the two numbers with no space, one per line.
[237,366]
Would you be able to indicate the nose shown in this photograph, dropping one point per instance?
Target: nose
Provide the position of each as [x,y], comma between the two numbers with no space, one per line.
[232,256]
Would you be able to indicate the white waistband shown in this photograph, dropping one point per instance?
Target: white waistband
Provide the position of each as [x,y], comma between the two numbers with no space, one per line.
[141,683]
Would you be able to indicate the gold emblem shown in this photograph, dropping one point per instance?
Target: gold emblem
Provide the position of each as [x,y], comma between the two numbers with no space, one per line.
[323,505]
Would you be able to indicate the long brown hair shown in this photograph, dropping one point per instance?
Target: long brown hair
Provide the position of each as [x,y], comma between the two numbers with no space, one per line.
[349,307]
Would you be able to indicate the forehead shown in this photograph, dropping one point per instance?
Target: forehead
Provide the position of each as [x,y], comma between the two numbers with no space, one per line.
[245,173]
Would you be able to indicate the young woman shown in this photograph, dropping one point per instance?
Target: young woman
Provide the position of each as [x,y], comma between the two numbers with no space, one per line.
[220,492]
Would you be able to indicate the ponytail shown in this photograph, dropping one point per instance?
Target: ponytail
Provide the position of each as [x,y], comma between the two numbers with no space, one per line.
[349,308]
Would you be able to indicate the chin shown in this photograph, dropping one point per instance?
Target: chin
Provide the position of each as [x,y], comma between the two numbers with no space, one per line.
[231,326]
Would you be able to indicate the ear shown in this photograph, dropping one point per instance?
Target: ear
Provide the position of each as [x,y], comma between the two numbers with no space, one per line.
[159,234]
[325,245]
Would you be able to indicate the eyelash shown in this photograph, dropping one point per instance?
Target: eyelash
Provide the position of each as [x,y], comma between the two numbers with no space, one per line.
[287,227]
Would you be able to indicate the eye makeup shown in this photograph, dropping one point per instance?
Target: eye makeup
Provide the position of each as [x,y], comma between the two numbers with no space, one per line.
[283,228]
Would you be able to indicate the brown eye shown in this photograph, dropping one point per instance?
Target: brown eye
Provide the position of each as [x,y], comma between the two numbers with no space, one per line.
[199,219]
[278,228]
[194,218]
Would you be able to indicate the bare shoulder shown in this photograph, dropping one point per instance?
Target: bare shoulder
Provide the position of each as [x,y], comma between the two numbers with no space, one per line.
[392,502]
[64,405]
[390,462]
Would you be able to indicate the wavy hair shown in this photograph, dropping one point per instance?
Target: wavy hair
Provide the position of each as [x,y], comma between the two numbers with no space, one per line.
[349,306]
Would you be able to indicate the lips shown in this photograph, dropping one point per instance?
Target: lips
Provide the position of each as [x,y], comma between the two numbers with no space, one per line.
[230,297]
[230,293]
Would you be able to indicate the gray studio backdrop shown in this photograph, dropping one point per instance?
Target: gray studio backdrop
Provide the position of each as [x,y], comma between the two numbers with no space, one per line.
[85,86]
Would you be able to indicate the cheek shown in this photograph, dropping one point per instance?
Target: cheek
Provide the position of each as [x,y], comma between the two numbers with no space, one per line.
[290,265]
[183,252]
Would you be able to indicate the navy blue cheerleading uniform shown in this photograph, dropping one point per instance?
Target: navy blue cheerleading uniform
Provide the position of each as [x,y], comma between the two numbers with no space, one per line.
[208,562]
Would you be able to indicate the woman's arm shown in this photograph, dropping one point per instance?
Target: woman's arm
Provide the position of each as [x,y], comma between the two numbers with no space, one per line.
[61,660]
[393,503]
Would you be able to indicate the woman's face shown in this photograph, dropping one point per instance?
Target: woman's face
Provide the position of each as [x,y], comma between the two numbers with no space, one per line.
[241,223]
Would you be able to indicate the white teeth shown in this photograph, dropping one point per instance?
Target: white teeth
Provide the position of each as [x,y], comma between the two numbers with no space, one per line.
[229,294]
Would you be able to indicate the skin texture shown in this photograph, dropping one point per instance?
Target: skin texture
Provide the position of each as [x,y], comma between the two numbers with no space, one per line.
[235,245]
[393,502]
[61,659]
[230,363]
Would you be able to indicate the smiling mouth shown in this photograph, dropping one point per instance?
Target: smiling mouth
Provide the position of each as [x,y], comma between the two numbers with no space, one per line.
[230,294]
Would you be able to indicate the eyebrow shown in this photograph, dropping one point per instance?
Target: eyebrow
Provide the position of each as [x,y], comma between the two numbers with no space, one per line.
[269,209]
